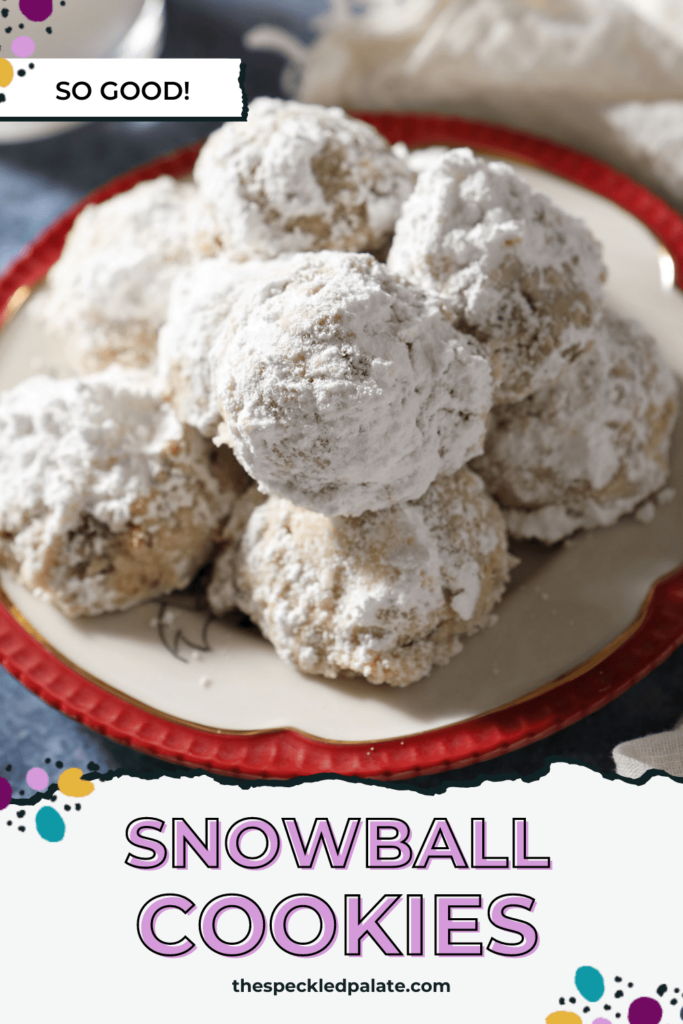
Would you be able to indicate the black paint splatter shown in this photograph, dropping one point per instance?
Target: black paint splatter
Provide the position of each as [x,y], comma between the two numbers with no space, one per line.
[49,31]
[618,994]
[22,828]
[661,990]
[21,73]
[4,12]
[92,767]
[8,768]
[59,764]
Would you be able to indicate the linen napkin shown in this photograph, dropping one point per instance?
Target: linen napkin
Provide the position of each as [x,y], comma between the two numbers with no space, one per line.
[589,73]
[663,750]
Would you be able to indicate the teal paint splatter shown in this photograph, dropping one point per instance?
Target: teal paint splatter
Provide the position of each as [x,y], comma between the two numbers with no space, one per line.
[50,824]
[590,983]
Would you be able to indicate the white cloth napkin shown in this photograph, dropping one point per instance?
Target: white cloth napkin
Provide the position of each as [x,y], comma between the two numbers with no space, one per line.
[663,750]
[589,73]
[652,136]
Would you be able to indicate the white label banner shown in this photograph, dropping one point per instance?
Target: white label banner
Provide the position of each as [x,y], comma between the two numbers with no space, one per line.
[85,89]
[504,903]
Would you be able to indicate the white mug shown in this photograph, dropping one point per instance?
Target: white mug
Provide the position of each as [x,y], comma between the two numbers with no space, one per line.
[78,28]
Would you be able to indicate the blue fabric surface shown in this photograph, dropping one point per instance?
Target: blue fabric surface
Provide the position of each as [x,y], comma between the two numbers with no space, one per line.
[38,181]
[30,202]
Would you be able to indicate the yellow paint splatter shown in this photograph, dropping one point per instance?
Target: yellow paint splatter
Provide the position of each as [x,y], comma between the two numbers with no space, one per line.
[563,1017]
[71,783]
[6,73]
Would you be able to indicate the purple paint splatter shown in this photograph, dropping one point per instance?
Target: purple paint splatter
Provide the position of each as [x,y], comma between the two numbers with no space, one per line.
[5,793]
[644,1011]
[36,10]
[23,46]
[37,778]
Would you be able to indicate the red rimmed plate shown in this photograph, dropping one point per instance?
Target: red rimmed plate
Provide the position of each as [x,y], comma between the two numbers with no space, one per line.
[579,626]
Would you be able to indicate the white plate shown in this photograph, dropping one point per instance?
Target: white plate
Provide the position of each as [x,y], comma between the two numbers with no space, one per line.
[563,607]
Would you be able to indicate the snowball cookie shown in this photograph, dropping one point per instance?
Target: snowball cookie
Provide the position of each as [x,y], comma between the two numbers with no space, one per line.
[200,302]
[386,595]
[524,276]
[108,292]
[221,593]
[344,389]
[105,498]
[588,449]
[297,177]
[419,159]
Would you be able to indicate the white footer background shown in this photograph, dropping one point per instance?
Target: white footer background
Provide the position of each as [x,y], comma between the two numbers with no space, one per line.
[613,900]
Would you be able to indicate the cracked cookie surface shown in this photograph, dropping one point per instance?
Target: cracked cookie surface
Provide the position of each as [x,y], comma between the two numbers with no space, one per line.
[521,274]
[387,595]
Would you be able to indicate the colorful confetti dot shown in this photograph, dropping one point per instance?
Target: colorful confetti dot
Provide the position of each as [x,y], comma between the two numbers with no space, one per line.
[6,73]
[601,1020]
[563,1017]
[590,983]
[36,10]
[644,1011]
[5,793]
[23,46]
[50,824]
[37,778]
[72,783]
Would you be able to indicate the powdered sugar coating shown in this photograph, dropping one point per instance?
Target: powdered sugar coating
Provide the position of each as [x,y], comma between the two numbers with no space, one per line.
[387,595]
[345,389]
[524,276]
[589,449]
[191,338]
[105,498]
[297,177]
[419,160]
[108,292]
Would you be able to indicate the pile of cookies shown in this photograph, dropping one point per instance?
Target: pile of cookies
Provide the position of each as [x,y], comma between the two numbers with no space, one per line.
[339,372]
